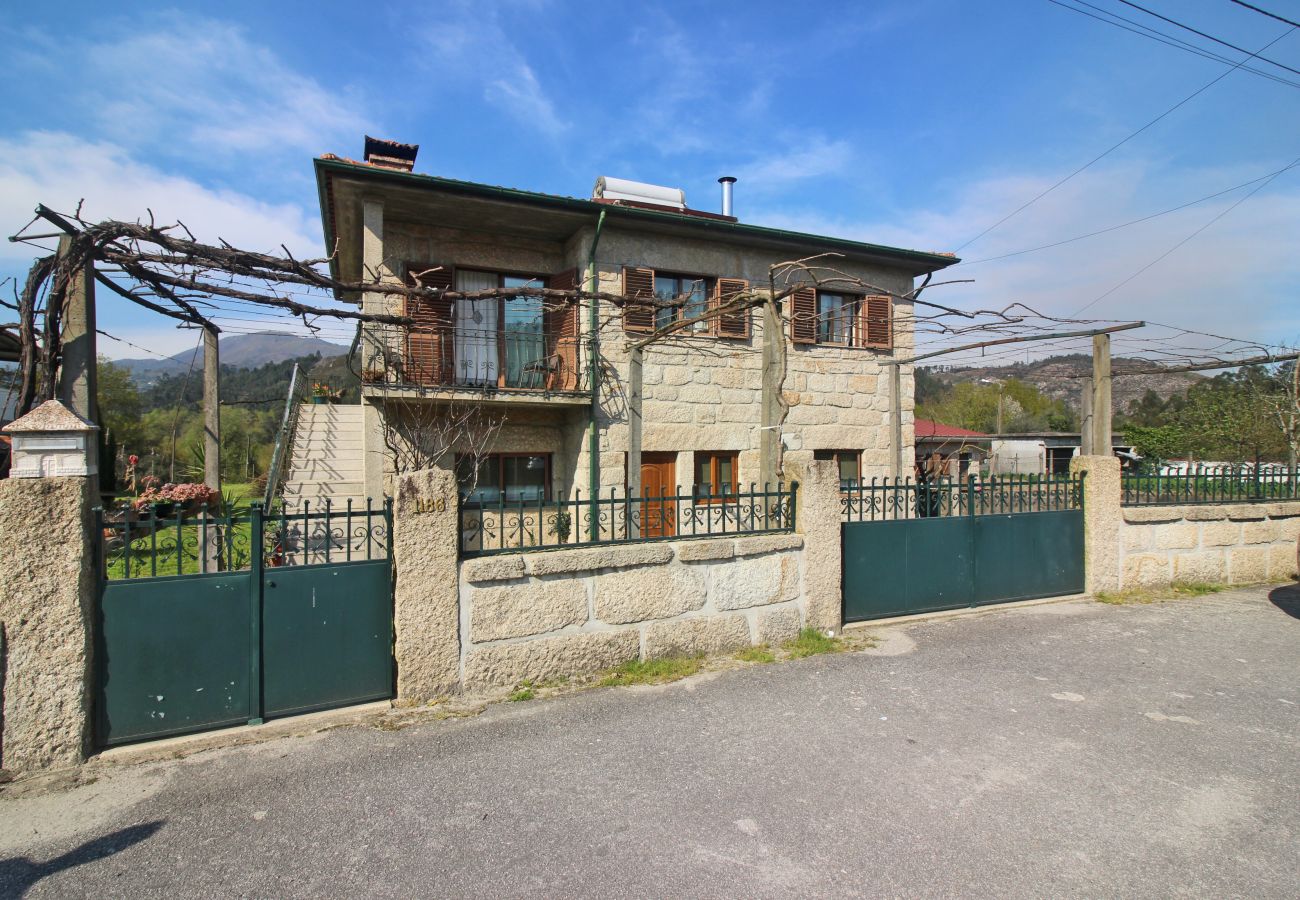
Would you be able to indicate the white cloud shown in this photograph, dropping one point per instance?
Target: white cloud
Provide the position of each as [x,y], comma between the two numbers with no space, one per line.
[469,42]
[215,91]
[61,170]
[1232,279]
[817,158]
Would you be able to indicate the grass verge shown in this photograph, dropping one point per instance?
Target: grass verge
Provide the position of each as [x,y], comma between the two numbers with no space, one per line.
[759,654]
[652,671]
[1179,590]
[810,642]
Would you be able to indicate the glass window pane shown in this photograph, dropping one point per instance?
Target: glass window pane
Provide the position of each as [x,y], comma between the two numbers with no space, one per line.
[486,489]
[665,289]
[848,469]
[726,473]
[525,364]
[525,478]
[835,318]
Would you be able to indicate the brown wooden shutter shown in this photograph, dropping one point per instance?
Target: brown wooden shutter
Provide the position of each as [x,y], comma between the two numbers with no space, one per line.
[876,320]
[803,316]
[561,323]
[638,283]
[732,324]
[430,346]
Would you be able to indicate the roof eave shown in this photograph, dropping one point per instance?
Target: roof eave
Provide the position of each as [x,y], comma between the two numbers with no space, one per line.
[921,262]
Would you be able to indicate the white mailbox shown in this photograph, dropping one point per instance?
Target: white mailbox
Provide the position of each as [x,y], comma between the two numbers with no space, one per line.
[51,441]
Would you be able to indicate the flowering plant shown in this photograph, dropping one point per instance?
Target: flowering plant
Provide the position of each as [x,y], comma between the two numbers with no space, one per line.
[188,493]
[320,389]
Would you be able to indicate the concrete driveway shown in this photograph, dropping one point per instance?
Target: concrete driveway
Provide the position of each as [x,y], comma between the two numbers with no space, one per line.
[1073,749]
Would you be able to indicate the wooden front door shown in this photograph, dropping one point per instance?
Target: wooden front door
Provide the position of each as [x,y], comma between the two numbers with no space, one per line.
[658,480]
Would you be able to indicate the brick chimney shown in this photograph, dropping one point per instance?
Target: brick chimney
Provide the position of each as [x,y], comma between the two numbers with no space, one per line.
[390,154]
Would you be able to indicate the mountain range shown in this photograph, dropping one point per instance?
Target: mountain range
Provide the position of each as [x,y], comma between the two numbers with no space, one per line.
[1059,377]
[241,351]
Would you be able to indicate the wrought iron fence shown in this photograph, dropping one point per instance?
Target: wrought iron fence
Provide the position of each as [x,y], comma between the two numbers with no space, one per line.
[144,544]
[1212,484]
[510,525]
[886,499]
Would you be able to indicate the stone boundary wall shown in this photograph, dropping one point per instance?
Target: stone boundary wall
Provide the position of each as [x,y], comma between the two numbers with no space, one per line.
[566,612]
[1237,543]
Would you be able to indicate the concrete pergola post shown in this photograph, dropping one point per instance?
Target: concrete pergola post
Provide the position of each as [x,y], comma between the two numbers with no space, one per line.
[47,600]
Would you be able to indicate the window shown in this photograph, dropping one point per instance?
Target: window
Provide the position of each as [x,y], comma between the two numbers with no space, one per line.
[716,473]
[696,292]
[505,477]
[847,462]
[837,316]
[841,320]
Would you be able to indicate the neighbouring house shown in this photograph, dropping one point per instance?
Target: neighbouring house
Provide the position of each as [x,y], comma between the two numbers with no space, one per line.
[1041,453]
[961,450]
[566,429]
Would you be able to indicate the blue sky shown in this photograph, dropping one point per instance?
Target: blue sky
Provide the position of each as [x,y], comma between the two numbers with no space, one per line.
[914,123]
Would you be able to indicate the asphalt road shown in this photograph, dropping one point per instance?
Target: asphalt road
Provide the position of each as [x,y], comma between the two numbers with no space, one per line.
[1066,750]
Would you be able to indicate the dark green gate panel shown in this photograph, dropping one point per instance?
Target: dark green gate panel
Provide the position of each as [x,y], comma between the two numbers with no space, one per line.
[896,568]
[172,656]
[326,636]
[1029,555]
[907,566]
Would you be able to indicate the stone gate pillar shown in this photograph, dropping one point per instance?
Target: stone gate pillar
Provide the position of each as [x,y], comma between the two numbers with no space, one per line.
[47,590]
[1102,520]
[426,593]
[818,519]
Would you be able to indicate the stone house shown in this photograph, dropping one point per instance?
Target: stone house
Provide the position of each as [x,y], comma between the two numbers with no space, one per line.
[702,387]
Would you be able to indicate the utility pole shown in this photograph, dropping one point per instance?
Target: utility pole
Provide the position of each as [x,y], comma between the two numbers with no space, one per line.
[896,421]
[769,419]
[78,383]
[634,425]
[1101,404]
[1085,417]
[212,433]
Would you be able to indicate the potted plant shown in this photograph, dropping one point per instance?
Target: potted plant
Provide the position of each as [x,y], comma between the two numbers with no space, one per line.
[323,393]
[191,497]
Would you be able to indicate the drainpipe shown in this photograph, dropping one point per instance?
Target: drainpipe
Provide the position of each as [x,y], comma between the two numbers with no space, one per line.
[593,435]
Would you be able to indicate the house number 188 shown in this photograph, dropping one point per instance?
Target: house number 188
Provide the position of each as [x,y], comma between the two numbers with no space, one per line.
[431,504]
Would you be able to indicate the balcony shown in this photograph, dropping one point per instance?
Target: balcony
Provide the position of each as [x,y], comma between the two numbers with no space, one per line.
[513,348]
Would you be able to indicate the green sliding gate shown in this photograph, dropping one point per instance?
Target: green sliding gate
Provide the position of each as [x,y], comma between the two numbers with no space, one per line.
[914,548]
[214,620]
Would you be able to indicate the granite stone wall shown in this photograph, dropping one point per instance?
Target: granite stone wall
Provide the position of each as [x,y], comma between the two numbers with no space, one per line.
[540,615]
[1237,543]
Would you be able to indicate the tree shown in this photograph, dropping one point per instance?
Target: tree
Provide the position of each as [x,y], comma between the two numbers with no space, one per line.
[119,405]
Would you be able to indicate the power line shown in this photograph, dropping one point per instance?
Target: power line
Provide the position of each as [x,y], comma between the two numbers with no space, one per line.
[1211,37]
[1121,143]
[1168,40]
[1127,224]
[1240,201]
[1264,12]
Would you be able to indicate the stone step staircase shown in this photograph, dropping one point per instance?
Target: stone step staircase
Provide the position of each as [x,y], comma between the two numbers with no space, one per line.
[327,462]
[327,458]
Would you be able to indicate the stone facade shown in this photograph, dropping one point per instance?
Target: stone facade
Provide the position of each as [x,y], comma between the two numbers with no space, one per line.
[1235,543]
[46,615]
[700,393]
[566,612]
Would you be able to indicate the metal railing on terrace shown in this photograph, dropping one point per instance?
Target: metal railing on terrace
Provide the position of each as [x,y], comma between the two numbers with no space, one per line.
[512,525]
[1213,484]
[147,544]
[887,499]
[538,356]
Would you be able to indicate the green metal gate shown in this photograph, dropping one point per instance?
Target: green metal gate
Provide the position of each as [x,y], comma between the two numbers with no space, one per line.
[214,620]
[914,548]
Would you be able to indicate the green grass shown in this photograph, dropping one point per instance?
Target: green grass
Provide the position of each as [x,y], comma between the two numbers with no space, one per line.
[759,654]
[524,692]
[810,642]
[1179,590]
[652,671]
